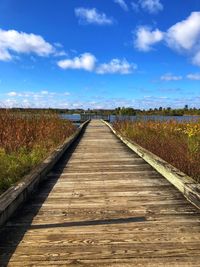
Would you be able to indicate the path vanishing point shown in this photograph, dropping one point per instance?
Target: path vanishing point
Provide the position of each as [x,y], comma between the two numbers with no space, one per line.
[103,205]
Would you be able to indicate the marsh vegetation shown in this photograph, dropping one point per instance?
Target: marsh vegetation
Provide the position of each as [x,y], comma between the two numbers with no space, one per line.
[25,140]
[176,142]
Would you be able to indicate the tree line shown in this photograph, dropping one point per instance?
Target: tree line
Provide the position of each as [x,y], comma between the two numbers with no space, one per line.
[120,111]
[158,111]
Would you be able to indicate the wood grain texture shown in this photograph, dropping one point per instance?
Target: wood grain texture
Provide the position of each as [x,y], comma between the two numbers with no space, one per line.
[184,183]
[102,205]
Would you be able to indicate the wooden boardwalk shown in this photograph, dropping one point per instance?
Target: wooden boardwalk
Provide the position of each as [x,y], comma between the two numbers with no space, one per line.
[103,206]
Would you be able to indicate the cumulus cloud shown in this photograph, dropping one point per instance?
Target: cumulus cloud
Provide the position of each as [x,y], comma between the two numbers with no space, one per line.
[122,4]
[145,38]
[151,6]
[185,34]
[20,42]
[194,76]
[183,37]
[85,61]
[92,16]
[116,66]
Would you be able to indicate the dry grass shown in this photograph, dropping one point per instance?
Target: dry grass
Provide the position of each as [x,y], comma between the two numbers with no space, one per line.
[25,140]
[176,142]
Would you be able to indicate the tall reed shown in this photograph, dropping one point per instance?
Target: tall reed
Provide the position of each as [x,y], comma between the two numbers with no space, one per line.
[176,142]
[25,140]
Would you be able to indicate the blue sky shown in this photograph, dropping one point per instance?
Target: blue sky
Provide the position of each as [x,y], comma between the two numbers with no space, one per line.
[99,53]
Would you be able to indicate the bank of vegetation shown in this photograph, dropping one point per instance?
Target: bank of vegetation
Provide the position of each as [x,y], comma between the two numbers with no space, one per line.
[120,111]
[25,140]
[176,142]
[161,111]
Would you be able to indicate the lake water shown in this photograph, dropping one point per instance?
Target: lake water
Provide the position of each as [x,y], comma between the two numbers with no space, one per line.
[77,117]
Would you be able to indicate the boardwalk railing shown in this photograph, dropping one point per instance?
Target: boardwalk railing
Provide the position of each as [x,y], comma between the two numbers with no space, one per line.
[85,117]
[19,193]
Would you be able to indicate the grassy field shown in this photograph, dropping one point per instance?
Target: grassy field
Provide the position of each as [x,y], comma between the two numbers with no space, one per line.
[25,140]
[176,142]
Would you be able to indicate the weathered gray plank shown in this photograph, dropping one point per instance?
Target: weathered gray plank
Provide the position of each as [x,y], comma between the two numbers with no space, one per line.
[102,205]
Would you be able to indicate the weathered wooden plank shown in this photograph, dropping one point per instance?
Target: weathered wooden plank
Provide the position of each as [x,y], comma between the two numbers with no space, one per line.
[103,206]
[103,252]
[185,184]
[152,262]
[71,239]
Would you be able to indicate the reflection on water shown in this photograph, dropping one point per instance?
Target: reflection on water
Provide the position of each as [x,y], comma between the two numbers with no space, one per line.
[77,117]
[73,117]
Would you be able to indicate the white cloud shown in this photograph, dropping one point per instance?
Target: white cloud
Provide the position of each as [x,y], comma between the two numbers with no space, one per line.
[92,16]
[145,38]
[66,93]
[60,53]
[122,4]
[12,93]
[151,6]
[31,94]
[170,77]
[20,42]
[103,102]
[183,37]
[4,54]
[194,76]
[35,99]
[85,61]
[116,66]
[9,103]
[196,58]
[44,92]
[59,45]
[185,34]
